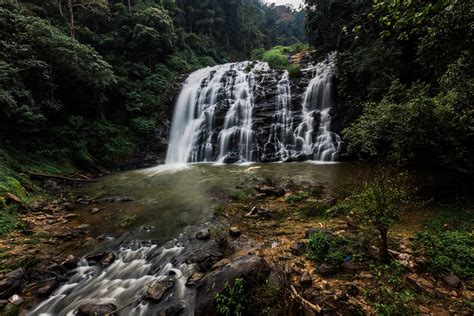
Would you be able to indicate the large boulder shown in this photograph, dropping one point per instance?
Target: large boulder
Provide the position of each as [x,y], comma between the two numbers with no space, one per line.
[253,269]
[97,310]
[11,283]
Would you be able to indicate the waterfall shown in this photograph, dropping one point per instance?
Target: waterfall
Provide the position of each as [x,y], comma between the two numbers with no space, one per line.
[314,138]
[242,112]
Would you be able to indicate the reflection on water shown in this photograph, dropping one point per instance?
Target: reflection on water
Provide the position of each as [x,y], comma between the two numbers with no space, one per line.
[171,197]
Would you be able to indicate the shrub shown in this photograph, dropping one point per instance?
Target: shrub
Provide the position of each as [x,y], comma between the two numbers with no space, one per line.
[296,198]
[447,251]
[313,210]
[294,71]
[276,58]
[325,247]
[391,298]
[233,299]
[240,196]
[8,221]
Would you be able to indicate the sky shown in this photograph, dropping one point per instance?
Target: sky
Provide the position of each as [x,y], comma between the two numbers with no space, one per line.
[295,3]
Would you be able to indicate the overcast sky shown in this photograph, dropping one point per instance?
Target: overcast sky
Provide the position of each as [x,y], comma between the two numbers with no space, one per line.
[296,3]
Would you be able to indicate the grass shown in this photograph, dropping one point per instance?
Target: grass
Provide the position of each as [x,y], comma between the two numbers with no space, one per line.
[8,221]
[311,210]
[240,196]
[128,220]
[297,198]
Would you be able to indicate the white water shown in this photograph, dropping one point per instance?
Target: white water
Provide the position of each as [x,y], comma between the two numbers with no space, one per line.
[281,135]
[214,117]
[126,280]
[320,144]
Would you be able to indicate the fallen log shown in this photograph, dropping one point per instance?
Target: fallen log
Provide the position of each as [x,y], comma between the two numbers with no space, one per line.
[54,176]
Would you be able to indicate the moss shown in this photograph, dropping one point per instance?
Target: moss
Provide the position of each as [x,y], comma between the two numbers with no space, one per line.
[8,221]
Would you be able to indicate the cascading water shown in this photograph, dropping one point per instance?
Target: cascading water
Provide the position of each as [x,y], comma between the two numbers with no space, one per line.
[314,138]
[137,267]
[229,113]
[281,136]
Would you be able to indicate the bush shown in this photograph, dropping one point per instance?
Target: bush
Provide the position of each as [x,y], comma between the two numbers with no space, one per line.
[325,247]
[233,300]
[447,251]
[257,54]
[240,196]
[294,71]
[276,58]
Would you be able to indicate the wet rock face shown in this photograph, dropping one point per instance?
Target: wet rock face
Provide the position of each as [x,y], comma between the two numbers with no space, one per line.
[11,283]
[249,112]
[97,310]
[253,269]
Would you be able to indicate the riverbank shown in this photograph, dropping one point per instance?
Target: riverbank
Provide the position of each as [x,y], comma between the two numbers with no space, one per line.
[267,218]
[291,226]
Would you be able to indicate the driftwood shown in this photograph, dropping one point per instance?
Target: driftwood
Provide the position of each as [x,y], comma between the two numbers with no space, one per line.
[54,176]
[314,307]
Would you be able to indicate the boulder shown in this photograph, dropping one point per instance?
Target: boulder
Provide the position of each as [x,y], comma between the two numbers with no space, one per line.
[158,290]
[452,280]
[253,269]
[97,310]
[107,260]
[326,269]
[95,210]
[270,191]
[11,283]
[298,248]
[203,234]
[47,288]
[306,279]
[70,262]
[234,231]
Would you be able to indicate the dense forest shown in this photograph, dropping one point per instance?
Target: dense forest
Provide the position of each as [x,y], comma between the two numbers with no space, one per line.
[405,83]
[84,81]
[368,105]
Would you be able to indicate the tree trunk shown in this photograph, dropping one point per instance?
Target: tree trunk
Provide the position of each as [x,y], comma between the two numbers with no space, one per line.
[71,17]
[129,6]
[384,255]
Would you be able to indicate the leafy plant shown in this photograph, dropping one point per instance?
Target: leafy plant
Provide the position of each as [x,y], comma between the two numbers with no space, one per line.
[446,251]
[233,300]
[128,220]
[391,298]
[325,247]
[377,202]
[296,198]
[240,195]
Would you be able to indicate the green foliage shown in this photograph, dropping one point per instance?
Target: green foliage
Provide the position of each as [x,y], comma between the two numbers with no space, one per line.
[233,301]
[90,93]
[296,198]
[276,58]
[240,195]
[310,210]
[8,220]
[325,247]
[294,70]
[392,298]
[128,220]
[448,251]
[392,62]
[378,200]
[447,244]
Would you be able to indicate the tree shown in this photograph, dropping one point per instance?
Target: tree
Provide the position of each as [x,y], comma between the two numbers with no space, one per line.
[378,201]
[98,6]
